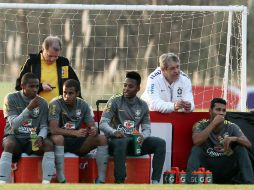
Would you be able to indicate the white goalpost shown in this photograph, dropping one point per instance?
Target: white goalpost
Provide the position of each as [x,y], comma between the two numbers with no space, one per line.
[102,42]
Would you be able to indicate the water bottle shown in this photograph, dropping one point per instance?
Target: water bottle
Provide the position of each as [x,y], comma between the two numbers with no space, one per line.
[169,177]
[194,176]
[200,177]
[182,177]
[208,177]
[136,144]
[166,177]
[172,177]
[33,137]
[177,172]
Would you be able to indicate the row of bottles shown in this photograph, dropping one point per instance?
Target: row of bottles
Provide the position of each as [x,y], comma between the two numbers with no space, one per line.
[175,176]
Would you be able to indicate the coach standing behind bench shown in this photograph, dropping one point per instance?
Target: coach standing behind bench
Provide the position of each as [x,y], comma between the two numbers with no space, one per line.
[51,69]
[169,89]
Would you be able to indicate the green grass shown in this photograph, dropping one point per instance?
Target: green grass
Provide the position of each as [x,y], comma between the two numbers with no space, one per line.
[121,187]
[5,88]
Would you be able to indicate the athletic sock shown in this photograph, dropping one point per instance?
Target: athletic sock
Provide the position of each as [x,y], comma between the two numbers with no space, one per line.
[102,162]
[5,166]
[59,154]
[48,165]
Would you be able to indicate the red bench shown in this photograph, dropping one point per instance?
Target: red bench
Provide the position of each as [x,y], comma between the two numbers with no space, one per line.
[182,129]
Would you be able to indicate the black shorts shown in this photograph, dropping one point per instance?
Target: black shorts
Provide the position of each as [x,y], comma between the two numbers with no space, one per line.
[23,145]
[73,144]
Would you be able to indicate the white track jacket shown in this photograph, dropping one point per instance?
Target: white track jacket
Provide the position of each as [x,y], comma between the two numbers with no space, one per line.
[160,95]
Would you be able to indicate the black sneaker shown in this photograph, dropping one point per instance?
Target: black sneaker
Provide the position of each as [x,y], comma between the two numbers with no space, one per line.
[64,181]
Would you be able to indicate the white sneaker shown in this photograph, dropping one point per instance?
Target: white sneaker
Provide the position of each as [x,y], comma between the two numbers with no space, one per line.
[45,182]
[2,182]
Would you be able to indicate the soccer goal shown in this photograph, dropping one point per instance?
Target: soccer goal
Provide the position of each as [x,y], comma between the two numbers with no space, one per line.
[102,42]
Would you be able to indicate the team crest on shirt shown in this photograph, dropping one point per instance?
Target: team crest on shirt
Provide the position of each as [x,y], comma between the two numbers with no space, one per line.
[137,114]
[179,92]
[78,113]
[36,112]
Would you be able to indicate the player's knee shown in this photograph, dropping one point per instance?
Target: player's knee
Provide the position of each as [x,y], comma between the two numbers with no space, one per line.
[240,150]
[161,145]
[48,145]
[9,145]
[102,140]
[57,139]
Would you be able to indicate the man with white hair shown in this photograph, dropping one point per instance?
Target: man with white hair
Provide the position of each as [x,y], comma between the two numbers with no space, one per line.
[169,89]
[51,68]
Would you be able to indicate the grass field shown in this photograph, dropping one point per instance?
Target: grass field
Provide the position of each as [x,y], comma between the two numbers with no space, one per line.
[121,187]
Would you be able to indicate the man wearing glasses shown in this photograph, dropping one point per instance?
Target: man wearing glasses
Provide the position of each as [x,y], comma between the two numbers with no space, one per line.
[51,69]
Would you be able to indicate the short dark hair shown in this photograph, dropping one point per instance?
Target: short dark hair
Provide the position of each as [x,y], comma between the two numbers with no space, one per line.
[217,100]
[72,83]
[28,76]
[134,75]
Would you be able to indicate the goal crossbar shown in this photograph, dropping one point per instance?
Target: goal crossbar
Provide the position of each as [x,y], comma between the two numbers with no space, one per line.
[121,7]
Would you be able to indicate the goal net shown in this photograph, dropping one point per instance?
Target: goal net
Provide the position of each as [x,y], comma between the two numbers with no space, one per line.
[102,42]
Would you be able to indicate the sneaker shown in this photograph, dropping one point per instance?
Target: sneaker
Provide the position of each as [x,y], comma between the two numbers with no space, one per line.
[97,181]
[64,181]
[155,182]
[45,182]
[2,182]
[119,181]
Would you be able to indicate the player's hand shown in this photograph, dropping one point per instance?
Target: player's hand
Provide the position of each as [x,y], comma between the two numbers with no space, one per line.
[81,132]
[92,131]
[39,142]
[33,103]
[186,106]
[119,134]
[178,105]
[46,87]
[227,141]
[218,119]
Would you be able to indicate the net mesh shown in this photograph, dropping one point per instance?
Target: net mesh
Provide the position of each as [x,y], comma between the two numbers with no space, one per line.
[102,45]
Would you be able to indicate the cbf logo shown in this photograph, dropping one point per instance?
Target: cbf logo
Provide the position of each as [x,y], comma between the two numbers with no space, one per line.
[36,112]
[137,114]
[179,92]
[78,113]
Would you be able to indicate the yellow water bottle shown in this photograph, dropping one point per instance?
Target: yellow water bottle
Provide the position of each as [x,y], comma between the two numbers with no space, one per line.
[33,137]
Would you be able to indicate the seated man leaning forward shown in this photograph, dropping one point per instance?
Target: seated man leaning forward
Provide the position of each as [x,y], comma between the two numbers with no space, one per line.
[67,113]
[169,89]
[125,113]
[221,147]
[24,112]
